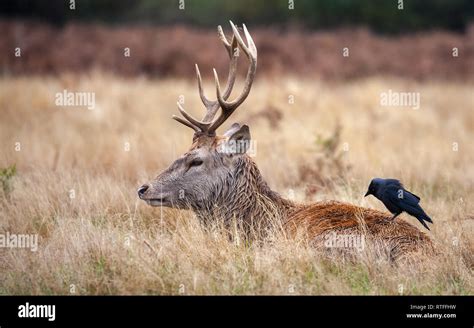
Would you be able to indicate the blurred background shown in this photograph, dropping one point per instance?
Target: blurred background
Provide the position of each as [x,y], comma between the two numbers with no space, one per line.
[305,38]
[378,15]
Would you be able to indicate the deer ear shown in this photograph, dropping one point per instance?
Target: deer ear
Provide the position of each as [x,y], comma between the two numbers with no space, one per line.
[238,142]
[233,129]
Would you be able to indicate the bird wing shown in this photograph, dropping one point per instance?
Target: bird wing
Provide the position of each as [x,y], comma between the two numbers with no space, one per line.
[389,197]
[393,193]
[408,204]
[396,184]
[409,192]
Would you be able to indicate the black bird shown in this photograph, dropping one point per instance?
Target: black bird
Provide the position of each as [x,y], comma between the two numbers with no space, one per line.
[396,199]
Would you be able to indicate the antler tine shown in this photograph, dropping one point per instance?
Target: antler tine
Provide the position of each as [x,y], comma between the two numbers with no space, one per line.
[196,125]
[227,45]
[208,103]
[229,107]
[182,121]
[213,105]
[232,50]
[250,50]
[207,125]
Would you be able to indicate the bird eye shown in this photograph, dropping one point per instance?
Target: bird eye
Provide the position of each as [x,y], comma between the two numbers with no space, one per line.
[195,162]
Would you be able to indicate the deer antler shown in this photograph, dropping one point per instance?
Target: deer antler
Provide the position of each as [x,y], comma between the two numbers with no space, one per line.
[207,126]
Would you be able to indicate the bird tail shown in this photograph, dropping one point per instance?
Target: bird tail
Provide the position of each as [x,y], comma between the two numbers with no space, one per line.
[423,223]
[426,218]
[422,218]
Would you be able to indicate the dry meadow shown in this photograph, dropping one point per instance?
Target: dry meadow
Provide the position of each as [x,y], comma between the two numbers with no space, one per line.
[77,171]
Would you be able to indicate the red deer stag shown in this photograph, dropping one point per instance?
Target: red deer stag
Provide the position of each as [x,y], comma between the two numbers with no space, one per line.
[217,179]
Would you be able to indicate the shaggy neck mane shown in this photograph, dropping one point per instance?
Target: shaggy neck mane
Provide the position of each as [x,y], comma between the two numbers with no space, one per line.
[245,197]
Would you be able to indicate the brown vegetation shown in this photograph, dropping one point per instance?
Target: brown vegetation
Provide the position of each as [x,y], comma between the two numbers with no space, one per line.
[170,51]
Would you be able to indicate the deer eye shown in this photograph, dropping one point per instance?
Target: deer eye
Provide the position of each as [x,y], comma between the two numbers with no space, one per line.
[195,162]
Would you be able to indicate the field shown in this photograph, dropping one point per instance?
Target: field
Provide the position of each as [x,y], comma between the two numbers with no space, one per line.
[77,171]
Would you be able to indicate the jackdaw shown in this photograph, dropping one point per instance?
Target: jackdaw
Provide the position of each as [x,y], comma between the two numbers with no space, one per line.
[396,199]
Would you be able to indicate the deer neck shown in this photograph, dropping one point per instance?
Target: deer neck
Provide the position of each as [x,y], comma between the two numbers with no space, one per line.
[244,196]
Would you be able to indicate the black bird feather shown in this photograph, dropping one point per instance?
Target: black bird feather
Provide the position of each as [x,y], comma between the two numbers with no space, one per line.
[397,199]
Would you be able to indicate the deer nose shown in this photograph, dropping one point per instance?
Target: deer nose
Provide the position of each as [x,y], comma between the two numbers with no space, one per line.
[142,189]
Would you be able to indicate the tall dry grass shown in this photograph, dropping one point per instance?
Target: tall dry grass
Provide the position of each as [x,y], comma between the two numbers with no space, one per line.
[105,241]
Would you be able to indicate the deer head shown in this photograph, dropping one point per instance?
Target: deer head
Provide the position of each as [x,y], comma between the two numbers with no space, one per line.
[209,172]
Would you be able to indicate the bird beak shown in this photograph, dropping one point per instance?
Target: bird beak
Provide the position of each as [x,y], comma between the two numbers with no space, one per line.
[367,193]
